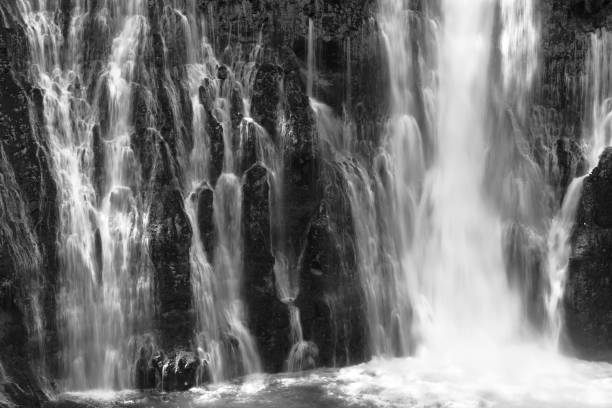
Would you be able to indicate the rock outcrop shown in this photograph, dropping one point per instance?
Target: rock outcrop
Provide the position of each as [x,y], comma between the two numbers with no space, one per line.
[28,223]
[588,295]
[268,317]
[331,300]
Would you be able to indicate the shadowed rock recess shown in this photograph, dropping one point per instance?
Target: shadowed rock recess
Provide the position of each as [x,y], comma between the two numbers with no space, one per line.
[218,236]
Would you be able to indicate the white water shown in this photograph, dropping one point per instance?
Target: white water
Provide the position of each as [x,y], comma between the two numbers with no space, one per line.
[461,273]
[520,378]
[450,239]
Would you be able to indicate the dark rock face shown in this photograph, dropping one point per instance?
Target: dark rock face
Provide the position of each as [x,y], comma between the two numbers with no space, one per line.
[28,218]
[556,121]
[301,187]
[266,97]
[206,222]
[268,317]
[588,296]
[214,130]
[19,254]
[170,233]
[331,302]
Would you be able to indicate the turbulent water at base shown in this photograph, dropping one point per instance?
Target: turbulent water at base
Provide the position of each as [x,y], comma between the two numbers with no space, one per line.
[534,380]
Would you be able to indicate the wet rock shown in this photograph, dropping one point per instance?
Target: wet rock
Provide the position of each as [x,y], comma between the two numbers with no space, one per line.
[144,146]
[98,256]
[206,95]
[571,163]
[99,154]
[248,145]
[214,130]
[64,16]
[301,184]
[19,256]
[144,371]
[96,43]
[268,317]
[206,221]
[237,106]
[266,97]
[588,292]
[28,220]
[330,301]
[170,232]
[217,148]
[173,32]
[222,73]
[143,115]
[178,372]
[303,356]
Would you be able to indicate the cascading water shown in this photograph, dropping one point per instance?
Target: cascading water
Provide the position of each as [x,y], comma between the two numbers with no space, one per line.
[225,345]
[450,239]
[427,236]
[105,298]
[104,292]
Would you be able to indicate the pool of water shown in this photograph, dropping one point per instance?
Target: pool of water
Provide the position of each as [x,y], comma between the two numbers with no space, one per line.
[515,378]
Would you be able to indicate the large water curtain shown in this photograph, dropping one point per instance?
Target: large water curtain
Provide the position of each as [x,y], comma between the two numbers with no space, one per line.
[462,269]
[440,136]
[104,293]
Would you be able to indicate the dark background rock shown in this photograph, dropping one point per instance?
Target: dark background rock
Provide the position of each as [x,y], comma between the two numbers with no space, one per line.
[331,301]
[170,234]
[268,317]
[588,295]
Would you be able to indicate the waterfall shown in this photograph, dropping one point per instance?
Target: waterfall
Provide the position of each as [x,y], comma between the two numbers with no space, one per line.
[103,292]
[105,299]
[439,137]
[225,345]
[462,273]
